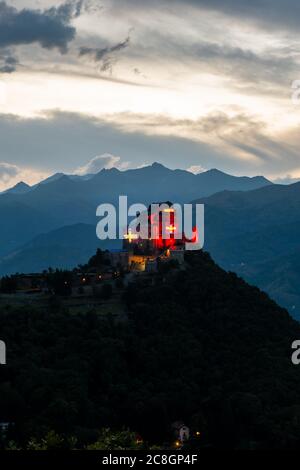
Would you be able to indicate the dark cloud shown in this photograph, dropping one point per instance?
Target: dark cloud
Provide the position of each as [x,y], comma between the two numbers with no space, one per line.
[100,53]
[243,63]
[138,72]
[8,62]
[244,140]
[50,28]
[104,56]
[267,13]
[267,70]
[107,64]
[250,135]
[270,14]
[66,140]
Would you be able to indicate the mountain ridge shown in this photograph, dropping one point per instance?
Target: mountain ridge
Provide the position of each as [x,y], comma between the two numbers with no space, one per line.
[255,234]
[155,166]
[63,200]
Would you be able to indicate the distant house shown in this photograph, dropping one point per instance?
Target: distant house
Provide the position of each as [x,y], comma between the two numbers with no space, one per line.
[94,276]
[181,431]
[184,433]
[34,282]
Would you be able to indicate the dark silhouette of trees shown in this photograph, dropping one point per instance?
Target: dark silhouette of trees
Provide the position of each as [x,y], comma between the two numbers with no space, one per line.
[97,260]
[60,282]
[8,285]
[202,346]
[106,291]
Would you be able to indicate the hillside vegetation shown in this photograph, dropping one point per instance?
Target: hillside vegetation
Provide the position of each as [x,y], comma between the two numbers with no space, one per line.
[200,345]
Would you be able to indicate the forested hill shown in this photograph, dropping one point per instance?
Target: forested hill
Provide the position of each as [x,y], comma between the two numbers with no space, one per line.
[199,345]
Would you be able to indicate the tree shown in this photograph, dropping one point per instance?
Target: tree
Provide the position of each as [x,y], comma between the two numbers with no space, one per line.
[60,282]
[8,285]
[106,291]
[119,283]
[97,260]
[120,440]
[52,441]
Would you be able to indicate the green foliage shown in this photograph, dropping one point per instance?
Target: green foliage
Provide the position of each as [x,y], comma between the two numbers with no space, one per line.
[12,446]
[122,440]
[52,441]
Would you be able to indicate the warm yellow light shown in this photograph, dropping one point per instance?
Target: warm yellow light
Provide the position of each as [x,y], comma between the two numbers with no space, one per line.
[130,236]
[198,433]
[171,228]
[169,210]
[177,443]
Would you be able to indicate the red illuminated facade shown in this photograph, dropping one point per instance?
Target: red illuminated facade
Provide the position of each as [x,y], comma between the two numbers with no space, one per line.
[162,232]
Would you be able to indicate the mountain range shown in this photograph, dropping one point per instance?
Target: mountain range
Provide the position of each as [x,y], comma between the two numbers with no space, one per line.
[64,200]
[256,234]
[252,226]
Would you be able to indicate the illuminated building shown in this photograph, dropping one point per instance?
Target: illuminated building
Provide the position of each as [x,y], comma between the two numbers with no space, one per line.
[161,242]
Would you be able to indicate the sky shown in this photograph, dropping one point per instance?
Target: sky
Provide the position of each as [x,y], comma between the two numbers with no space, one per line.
[194,84]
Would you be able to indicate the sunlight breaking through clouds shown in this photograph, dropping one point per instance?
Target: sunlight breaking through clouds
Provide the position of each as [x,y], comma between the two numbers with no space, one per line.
[161,70]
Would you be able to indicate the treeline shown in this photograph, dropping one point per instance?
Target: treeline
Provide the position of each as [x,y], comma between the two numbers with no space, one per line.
[61,281]
[200,346]
[107,440]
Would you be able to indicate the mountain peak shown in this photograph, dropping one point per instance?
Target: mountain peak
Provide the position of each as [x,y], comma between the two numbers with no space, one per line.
[19,188]
[111,170]
[52,178]
[214,171]
[158,166]
[22,184]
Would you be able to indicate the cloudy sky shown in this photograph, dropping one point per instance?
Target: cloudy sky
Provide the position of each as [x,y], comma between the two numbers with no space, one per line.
[194,84]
